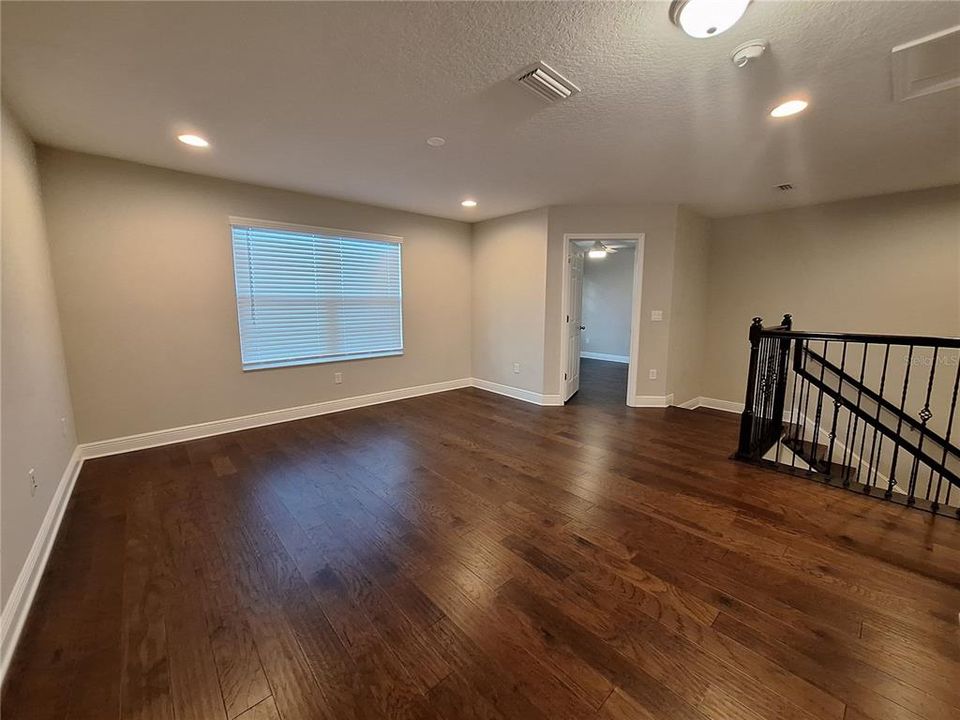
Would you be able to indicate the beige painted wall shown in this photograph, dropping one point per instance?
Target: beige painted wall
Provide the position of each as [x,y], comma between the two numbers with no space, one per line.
[509,287]
[607,303]
[887,264]
[144,272]
[688,324]
[35,395]
[658,223]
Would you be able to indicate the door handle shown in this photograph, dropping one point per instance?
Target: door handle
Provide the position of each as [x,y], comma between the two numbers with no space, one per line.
[583,327]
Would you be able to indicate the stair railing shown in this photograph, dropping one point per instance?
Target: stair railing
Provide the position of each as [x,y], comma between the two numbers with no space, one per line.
[873,413]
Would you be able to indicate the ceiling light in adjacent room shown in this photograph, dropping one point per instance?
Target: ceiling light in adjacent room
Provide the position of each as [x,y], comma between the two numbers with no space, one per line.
[193,141]
[469,203]
[598,251]
[706,18]
[790,107]
[436,141]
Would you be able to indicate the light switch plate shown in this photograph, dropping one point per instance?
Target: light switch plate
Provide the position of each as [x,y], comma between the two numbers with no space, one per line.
[656,315]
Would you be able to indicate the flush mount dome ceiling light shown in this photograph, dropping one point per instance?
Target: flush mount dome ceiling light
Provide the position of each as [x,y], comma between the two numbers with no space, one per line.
[193,140]
[706,18]
[469,203]
[790,107]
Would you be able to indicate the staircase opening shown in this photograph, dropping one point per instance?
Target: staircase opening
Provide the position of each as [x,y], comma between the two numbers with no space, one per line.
[872,413]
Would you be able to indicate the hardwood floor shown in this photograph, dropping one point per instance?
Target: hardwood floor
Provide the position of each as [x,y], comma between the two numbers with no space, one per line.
[602,384]
[466,556]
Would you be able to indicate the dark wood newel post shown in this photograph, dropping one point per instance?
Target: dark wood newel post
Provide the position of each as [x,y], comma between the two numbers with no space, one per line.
[746,418]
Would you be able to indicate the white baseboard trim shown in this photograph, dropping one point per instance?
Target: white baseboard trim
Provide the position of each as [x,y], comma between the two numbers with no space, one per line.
[156,438]
[21,597]
[517,393]
[713,404]
[651,401]
[625,359]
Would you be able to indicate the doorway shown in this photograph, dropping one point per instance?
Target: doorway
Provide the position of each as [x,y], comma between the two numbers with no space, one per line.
[601,316]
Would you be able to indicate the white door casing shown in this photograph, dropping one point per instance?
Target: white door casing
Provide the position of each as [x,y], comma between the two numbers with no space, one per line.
[569,341]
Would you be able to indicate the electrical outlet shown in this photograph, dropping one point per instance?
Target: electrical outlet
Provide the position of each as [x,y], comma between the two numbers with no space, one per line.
[34,483]
[653,374]
[656,315]
[516,368]
[338,378]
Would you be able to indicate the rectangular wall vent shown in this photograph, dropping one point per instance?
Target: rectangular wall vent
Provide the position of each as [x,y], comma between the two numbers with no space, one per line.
[928,65]
[547,83]
[785,187]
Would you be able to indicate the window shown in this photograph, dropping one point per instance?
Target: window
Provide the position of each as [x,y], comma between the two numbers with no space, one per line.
[312,295]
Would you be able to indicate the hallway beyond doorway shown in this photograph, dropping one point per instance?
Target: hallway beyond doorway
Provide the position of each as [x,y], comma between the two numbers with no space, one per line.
[602,383]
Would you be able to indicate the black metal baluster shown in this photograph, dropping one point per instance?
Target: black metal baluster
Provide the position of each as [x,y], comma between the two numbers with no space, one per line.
[850,439]
[874,444]
[896,445]
[860,464]
[806,405]
[836,409]
[764,390]
[793,406]
[771,391]
[758,401]
[924,416]
[816,423]
[946,444]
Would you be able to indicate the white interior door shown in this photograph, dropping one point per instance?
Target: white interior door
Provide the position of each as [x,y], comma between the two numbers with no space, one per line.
[574,313]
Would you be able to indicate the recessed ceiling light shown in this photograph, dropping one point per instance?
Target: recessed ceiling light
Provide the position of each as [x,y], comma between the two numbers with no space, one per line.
[706,18]
[469,203]
[790,107]
[193,141]
[436,141]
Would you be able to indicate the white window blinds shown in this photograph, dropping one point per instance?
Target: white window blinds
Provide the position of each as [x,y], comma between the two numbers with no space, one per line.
[308,295]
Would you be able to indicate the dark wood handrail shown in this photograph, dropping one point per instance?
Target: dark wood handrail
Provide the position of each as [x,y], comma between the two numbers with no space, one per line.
[915,340]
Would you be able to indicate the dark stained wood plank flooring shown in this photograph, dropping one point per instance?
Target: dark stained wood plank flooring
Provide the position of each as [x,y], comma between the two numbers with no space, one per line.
[467,556]
[602,384]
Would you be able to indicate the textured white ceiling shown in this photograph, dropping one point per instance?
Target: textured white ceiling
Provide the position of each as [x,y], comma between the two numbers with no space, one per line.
[338,99]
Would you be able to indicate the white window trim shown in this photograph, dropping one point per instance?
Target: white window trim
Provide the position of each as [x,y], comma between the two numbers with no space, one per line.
[330,232]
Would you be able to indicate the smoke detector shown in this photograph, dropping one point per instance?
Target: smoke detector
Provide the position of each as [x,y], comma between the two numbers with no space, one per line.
[547,82]
[750,50]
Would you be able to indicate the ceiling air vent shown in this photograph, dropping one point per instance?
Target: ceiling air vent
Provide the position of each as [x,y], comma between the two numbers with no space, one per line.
[928,65]
[785,187]
[547,83]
